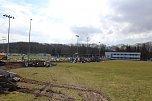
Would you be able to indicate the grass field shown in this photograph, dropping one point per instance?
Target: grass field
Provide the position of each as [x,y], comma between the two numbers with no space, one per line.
[118,80]
[31,57]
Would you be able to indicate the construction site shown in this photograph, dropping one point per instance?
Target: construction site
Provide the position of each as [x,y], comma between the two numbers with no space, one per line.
[10,81]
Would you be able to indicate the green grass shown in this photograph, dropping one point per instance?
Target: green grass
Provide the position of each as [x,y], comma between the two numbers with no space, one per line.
[16,96]
[118,80]
[31,57]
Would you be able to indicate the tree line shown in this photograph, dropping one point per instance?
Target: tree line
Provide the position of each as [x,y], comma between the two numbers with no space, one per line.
[83,49]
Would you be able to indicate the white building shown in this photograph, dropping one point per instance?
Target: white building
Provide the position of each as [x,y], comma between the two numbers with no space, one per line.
[123,55]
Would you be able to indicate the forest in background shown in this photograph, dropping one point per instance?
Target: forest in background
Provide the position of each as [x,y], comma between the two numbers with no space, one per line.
[83,49]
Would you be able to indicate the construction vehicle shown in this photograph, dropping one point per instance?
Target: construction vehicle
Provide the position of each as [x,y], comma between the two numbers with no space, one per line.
[3,56]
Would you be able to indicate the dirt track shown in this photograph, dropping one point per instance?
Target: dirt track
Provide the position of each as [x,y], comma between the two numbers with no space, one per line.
[53,92]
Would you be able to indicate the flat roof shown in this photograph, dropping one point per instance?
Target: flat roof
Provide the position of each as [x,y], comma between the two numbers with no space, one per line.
[125,52]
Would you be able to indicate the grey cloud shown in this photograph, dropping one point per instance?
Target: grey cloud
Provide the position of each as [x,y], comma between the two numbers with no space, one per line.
[137,13]
[110,32]
[85,30]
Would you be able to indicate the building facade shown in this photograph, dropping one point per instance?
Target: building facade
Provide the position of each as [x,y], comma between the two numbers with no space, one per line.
[123,55]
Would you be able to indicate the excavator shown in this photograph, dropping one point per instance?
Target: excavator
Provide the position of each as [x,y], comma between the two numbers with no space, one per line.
[3,56]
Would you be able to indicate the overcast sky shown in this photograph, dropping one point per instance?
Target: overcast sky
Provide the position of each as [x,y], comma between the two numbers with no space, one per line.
[110,22]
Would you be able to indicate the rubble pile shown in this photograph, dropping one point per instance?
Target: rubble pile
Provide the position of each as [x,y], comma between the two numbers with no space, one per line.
[37,63]
[8,81]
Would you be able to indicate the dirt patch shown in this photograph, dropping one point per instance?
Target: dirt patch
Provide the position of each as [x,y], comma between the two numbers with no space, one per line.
[53,93]
[92,96]
[14,65]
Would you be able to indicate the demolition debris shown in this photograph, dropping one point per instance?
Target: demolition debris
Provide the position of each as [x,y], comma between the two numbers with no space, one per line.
[8,81]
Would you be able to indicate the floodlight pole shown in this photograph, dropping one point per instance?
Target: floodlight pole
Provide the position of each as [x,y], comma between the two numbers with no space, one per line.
[29,51]
[9,17]
[99,48]
[77,43]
